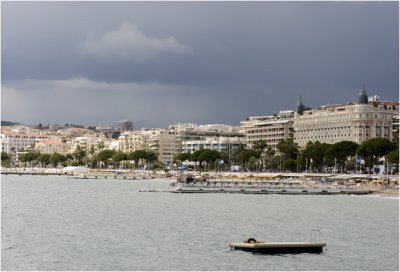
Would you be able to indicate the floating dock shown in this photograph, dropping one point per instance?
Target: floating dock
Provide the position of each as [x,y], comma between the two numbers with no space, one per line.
[279,247]
[286,191]
[102,176]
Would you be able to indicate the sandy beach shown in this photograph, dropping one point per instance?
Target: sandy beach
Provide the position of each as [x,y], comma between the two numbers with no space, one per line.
[387,193]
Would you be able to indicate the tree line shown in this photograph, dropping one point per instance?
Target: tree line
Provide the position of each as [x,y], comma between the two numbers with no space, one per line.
[205,158]
[103,159]
[340,157]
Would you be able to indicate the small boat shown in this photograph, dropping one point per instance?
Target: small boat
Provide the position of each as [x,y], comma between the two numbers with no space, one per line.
[278,247]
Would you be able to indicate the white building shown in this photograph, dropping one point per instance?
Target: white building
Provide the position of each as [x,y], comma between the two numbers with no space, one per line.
[17,139]
[166,143]
[227,145]
[72,132]
[86,143]
[49,146]
[352,122]
[135,140]
[271,128]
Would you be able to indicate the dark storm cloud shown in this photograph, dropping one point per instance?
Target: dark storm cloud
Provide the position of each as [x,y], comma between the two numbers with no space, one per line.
[228,60]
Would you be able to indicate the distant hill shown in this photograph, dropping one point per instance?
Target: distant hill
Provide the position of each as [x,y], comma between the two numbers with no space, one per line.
[8,123]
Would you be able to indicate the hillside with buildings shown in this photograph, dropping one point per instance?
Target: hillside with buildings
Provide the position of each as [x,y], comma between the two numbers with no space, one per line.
[357,122]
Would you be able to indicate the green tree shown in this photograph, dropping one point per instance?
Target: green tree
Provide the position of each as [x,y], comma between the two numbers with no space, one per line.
[132,157]
[29,157]
[100,146]
[244,156]
[105,156]
[44,159]
[314,155]
[234,156]
[290,164]
[93,161]
[182,157]
[253,163]
[4,156]
[5,159]
[288,149]
[393,156]
[274,162]
[270,152]
[79,154]
[92,150]
[57,158]
[140,155]
[119,156]
[151,157]
[350,165]
[155,166]
[373,149]
[260,146]
[195,155]
[209,156]
[341,151]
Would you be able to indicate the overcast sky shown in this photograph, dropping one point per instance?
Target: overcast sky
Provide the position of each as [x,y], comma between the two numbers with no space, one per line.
[159,63]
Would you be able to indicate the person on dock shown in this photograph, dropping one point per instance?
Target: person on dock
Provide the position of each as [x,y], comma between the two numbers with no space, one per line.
[253,241]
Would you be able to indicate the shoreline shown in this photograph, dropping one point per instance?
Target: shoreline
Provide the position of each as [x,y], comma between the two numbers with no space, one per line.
[250,178]
[387,193]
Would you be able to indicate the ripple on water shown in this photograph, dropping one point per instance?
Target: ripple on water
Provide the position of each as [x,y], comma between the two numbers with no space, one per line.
[63,224]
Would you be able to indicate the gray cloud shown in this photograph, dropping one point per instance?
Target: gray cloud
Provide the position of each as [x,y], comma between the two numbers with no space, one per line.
[93,102]
[127,42]
[207,61]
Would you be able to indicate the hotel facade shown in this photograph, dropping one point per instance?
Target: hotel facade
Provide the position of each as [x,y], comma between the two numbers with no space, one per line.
[356,122]
[272,128]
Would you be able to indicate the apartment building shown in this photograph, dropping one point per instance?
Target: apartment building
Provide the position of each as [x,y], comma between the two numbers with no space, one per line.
[49,146]
[134,140]
[168,142]
[18,142]
[20,138]
[86,142]
[165,143]
[124,125]
[17,139]
[271,128]
[227,145]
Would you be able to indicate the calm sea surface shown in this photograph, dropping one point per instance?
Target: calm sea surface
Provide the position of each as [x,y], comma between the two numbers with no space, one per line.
[58,223]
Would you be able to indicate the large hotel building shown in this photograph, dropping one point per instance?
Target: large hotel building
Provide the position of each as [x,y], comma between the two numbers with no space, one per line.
[355,122]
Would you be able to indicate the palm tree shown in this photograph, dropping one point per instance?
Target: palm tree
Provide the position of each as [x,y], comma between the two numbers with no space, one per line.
[79,154]
[100,146]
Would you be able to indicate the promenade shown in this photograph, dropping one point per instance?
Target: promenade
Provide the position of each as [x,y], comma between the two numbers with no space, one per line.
[385,185]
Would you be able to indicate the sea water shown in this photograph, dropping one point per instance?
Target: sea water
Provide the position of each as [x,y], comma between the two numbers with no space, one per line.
[60,223]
